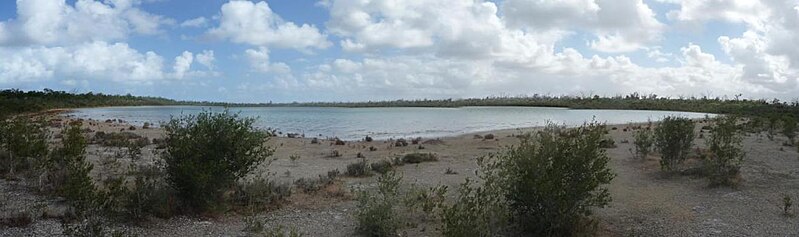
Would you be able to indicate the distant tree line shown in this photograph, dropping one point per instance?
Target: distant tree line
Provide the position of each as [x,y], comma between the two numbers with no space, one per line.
[14,101]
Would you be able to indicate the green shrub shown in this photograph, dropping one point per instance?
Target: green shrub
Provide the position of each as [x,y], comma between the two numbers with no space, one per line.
[546,186]
[427,200]
[206,153]
[789,128]
[644,139]
[77,187]
[727,153]
[415,158]
[381,167]
[376,213]
[478,210]
[22,140]
[673,139]
[120,139]
[260,192]
[310,185]
[149,195]
[358,169]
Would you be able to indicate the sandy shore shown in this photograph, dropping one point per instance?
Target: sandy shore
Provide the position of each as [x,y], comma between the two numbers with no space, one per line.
[646,202]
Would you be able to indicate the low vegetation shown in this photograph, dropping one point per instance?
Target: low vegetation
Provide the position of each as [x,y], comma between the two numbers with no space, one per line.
[415,158]
[376,212]
[22,142]
[674,137]
[206,153]
[644,139]
[726,152]
[545,186]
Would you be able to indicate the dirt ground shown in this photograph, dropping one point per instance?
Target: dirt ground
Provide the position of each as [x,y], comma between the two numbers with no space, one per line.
[646,201]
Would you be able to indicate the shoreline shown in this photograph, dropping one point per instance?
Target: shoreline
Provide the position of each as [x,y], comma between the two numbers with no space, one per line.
[646,201]
[388,136]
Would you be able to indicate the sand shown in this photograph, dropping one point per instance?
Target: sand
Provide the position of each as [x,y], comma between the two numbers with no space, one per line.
[646,201]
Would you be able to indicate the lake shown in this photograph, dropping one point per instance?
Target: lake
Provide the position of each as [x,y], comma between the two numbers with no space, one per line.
[383,123]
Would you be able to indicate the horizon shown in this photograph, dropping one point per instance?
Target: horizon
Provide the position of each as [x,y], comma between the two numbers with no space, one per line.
[349,51]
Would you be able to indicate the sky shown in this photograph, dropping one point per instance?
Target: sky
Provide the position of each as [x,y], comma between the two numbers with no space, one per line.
[361,50]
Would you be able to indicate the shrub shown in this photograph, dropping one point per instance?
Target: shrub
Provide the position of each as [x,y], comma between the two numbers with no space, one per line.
[789,128]
[381,167]
[149,195]
[553,182]
[358,169]
[547,186]
[727,153]
[120,139]
[260,192]
[401,142]
[414,158]
[78,187]
[644,139]
[478,210]
[22,140]
[673,139]
[427,200]
[206,153]
[309,185]
[376,213]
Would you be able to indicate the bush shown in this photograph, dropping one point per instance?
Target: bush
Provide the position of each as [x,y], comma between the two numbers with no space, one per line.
[22,140]
[381,167]
[206,153]
[120,139]
[401,142]
[149,195]
[727,153]
[547,186]
[414,158]
[309,185]
[673,139]
[260,192]
[358,169]
[78,187]
[789,128]
[478,210]
[644,139]
[376,213]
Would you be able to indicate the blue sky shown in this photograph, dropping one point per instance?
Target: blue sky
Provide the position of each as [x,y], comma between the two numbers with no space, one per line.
[354,50]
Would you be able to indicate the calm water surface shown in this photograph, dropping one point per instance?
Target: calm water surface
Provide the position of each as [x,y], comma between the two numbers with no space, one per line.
[382,123]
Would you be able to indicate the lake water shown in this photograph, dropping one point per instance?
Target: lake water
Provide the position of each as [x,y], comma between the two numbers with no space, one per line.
[383,123]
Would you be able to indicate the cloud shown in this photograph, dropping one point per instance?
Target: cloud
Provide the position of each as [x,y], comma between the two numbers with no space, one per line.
[97,60]
[206,58]
[259,61]
[255,24]
[766,51]
[54,22]
[183,64]
[618,25]
[195,22]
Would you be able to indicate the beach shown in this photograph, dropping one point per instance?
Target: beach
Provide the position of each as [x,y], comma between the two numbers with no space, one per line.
[646,201]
